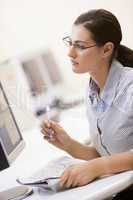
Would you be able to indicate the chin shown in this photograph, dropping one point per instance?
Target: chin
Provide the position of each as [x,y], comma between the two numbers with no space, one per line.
[77,71]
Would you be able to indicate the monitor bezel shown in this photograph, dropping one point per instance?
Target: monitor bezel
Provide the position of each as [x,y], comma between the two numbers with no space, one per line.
[15,153]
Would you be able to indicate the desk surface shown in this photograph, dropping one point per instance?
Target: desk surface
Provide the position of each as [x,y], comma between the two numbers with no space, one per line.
[37,153]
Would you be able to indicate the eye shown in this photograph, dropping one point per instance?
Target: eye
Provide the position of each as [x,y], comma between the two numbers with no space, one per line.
[79,46]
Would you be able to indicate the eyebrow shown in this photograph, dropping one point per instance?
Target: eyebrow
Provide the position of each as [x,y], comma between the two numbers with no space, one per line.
[78,41]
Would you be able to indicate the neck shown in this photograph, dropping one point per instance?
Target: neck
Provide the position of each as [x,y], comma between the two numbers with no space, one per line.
[100,75]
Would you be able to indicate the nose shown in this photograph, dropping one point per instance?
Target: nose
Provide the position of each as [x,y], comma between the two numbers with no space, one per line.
[72,52]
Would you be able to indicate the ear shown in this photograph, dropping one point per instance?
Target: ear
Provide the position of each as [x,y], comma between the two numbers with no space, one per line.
[108,49]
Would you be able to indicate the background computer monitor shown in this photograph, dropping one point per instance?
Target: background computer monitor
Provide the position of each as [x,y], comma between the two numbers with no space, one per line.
[50,63]
[44,77]
[11,141]
[42,71]
[35,75]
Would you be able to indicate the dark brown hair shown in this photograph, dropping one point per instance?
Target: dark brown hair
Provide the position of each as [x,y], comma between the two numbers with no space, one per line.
[105,27]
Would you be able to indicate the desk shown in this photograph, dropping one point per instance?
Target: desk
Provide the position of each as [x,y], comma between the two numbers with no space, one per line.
[36,154]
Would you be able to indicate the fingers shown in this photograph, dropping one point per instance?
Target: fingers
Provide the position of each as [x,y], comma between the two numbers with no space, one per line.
[46,124]
[48,132]
[68,179]
[55,126]
[51,128]
[58,136]
[64,179]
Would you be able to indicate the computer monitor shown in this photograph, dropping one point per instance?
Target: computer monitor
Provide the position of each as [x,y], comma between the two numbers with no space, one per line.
[11,140]
[11,143]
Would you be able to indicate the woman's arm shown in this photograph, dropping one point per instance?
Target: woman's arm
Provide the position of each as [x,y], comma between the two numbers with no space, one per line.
[62,140]
[82,151]
[82,174]
[114,163]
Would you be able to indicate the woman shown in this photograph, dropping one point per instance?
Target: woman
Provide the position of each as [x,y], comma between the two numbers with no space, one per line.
[94,48]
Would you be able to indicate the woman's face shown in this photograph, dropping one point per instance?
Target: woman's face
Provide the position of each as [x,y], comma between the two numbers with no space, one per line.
[84,54]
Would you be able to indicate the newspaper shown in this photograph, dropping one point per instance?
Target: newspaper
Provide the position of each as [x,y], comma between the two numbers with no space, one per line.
[48,177]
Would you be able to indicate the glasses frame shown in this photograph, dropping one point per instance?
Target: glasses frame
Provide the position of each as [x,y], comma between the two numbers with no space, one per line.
[69,43]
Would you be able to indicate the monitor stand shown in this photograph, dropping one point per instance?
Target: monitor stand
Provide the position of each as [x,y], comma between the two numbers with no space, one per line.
[19,192]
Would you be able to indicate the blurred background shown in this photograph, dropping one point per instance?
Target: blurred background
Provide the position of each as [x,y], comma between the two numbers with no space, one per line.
[34,68]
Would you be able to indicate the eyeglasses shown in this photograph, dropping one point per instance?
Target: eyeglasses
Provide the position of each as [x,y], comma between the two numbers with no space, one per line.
[77,44]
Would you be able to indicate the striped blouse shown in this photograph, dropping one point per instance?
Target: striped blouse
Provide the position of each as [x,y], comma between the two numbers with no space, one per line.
[110,116]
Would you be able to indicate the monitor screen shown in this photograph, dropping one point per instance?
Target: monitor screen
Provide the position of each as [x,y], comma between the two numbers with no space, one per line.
[11,141]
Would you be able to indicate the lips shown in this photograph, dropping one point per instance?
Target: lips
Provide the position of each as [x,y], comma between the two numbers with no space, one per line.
[74,62]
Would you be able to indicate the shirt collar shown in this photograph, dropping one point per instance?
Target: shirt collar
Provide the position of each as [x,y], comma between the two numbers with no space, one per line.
[110,86]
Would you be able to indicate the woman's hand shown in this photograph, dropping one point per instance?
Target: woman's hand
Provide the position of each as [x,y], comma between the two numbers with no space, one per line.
[79,175]
[59,137]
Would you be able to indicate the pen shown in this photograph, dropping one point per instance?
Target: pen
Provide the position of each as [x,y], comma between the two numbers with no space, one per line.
[50,130]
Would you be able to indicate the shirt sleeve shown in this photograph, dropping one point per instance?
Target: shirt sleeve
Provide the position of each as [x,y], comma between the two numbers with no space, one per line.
[124,99]
[124,103]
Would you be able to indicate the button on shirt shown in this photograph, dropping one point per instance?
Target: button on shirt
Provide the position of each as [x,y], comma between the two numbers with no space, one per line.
[111,115]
